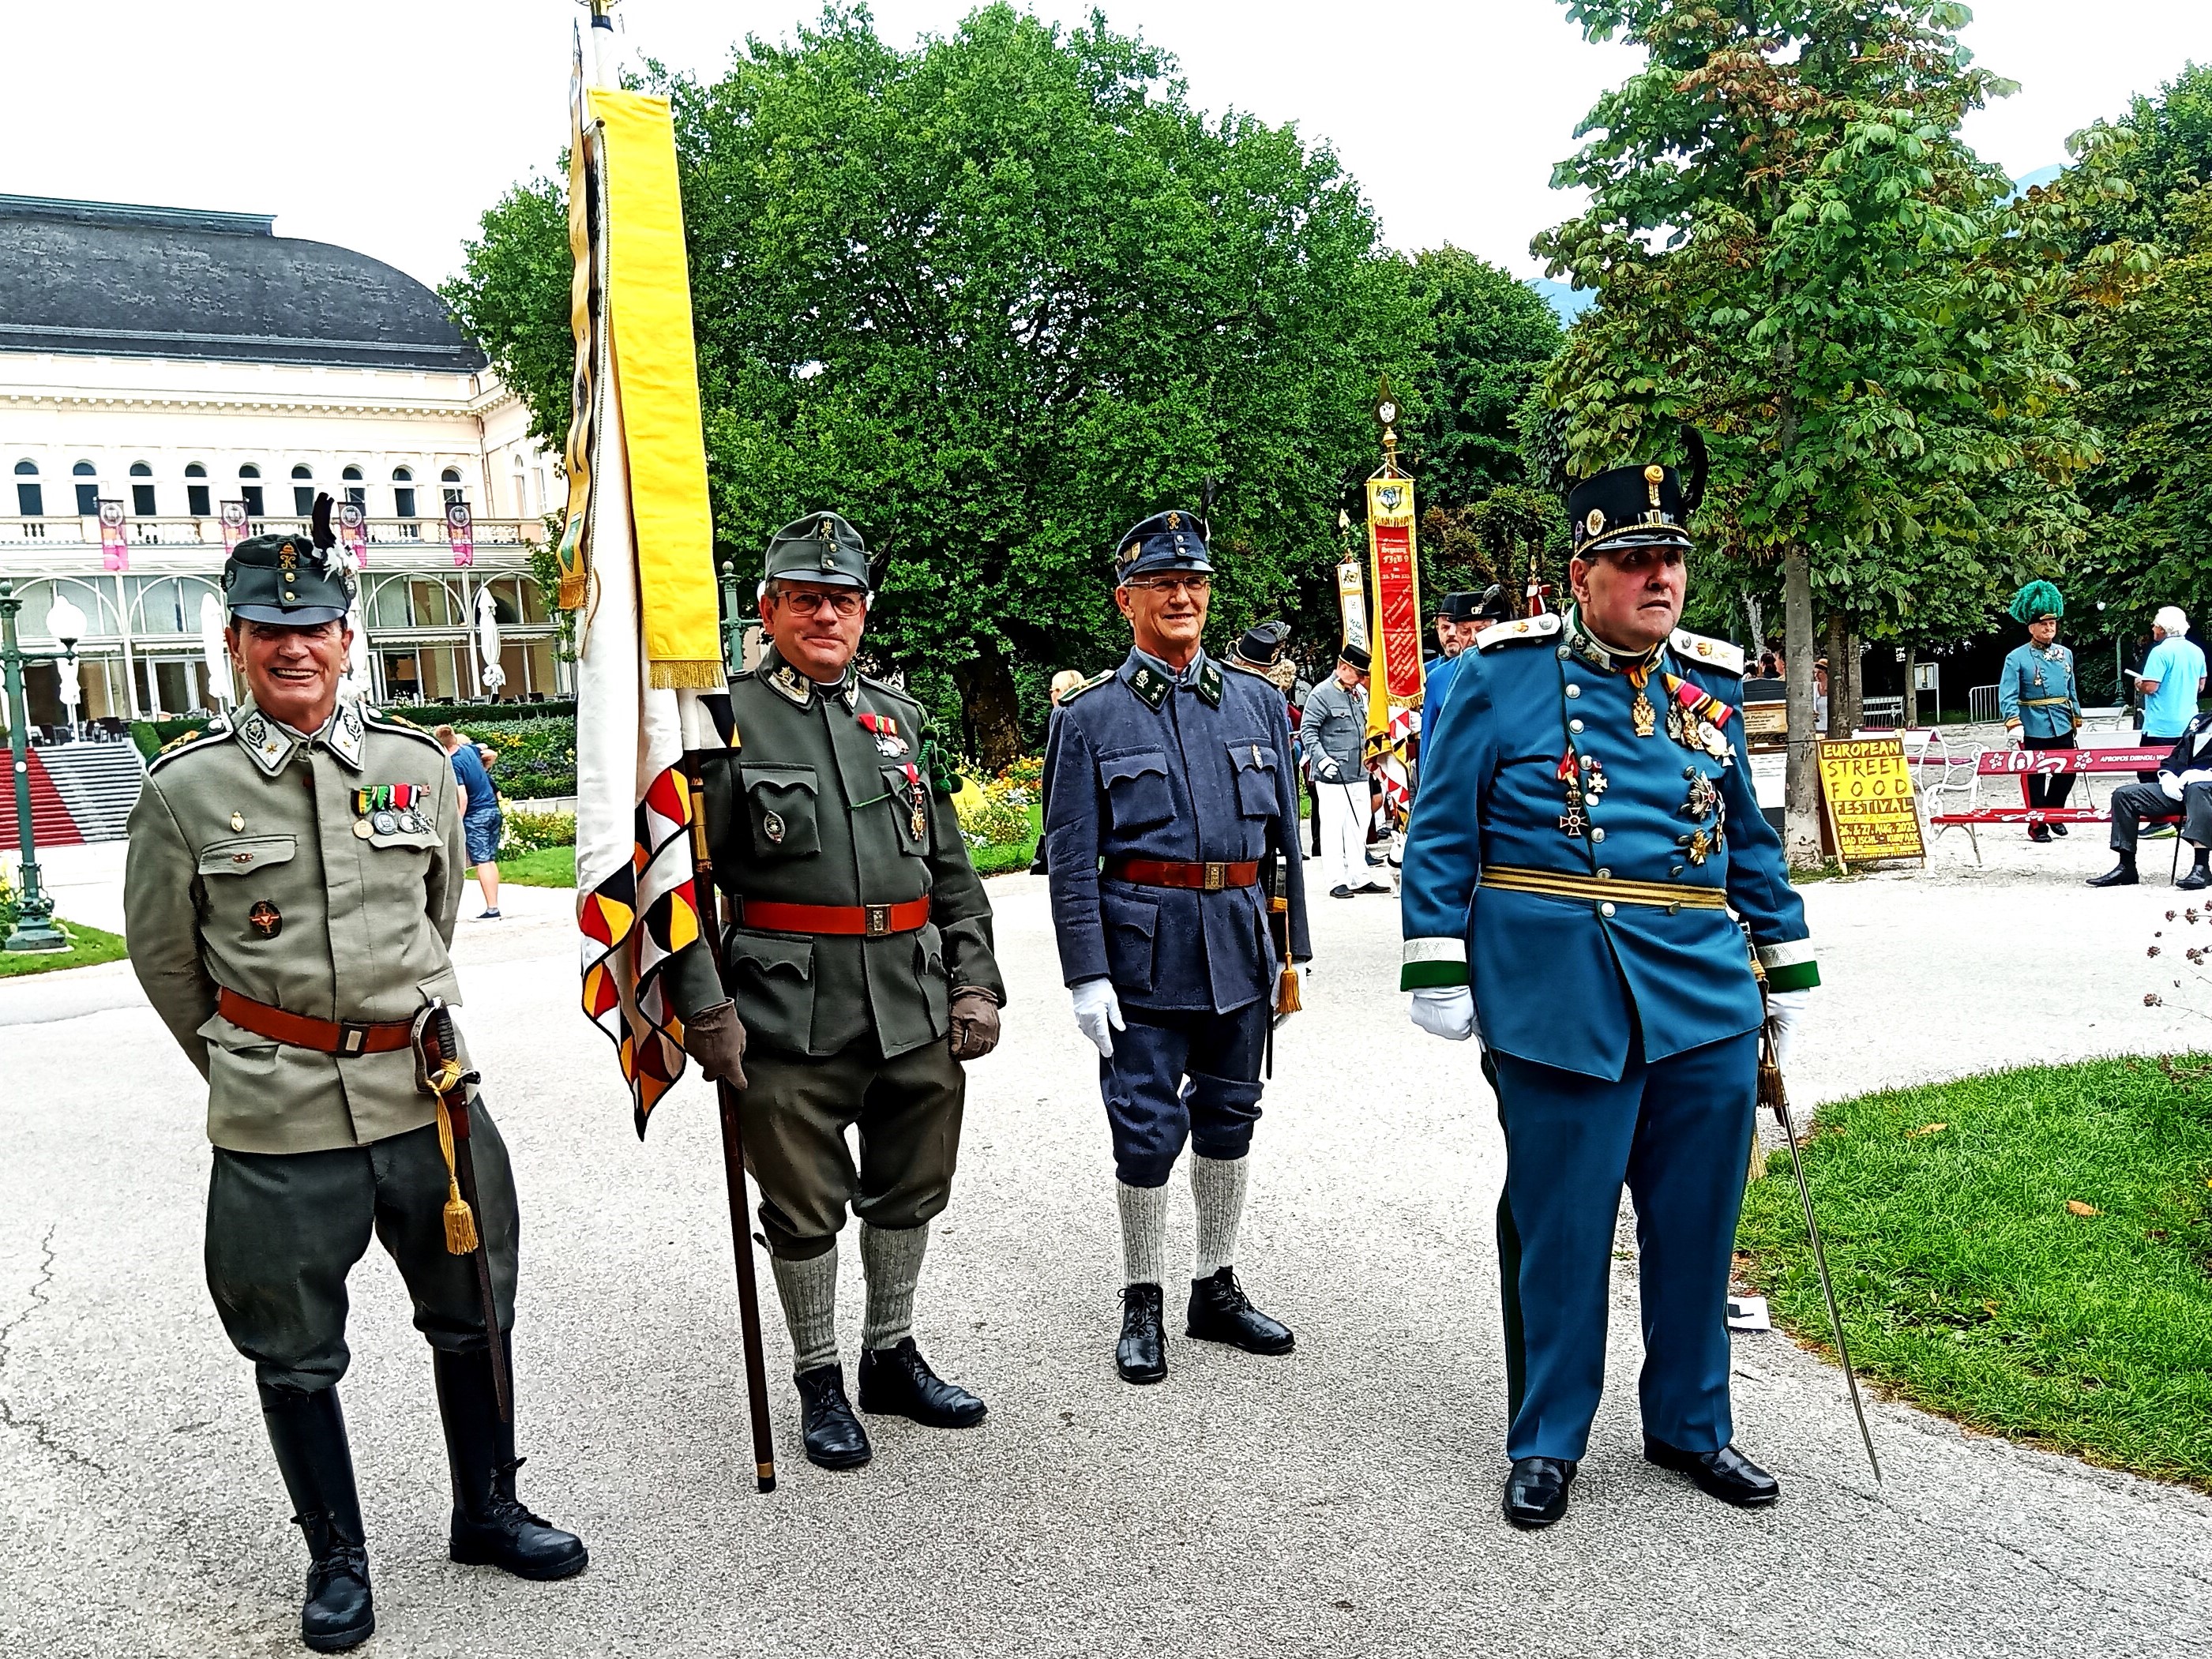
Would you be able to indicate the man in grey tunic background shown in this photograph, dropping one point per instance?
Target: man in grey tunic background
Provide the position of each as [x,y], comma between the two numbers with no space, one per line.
[1334,733]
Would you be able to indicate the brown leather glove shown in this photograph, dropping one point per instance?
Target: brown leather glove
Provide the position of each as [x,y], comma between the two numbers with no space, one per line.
[715,1037]
[975,1018]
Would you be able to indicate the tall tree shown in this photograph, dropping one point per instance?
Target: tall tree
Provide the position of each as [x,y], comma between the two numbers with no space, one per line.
[1793,249]
[1489,335]
[996,298]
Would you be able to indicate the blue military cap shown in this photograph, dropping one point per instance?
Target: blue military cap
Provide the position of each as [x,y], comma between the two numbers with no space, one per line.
[293,579]
[1166,541]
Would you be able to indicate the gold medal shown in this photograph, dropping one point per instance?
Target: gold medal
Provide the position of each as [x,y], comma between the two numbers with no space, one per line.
[1643,714]
[362,828]
[919,823]
[237,821]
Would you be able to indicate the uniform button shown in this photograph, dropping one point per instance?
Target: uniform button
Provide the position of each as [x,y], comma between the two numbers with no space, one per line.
[1574,726]
[1689,771]
[1605,909]
[1597,833]
[1563,653]
[1675,870]
[1604,874]
[1573,690]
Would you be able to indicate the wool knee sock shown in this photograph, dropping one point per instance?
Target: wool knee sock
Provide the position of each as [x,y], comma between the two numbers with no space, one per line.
[1216,1190]
[892,1259]
[1144,1233]
[808,1291]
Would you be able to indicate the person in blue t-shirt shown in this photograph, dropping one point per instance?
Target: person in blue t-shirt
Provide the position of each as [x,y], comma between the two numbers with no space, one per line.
[2172,679]
[481,823]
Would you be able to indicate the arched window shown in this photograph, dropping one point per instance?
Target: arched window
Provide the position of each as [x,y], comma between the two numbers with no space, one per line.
[402,493]
[196,494]
[141,493]
[249,489]
[87,495]
[303,491]
[355,491]
[521,490]
[30,495]
[449,483]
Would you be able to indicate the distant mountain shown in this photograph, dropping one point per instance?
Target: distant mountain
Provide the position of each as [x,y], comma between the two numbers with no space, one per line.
[2028,181]
[1568,302]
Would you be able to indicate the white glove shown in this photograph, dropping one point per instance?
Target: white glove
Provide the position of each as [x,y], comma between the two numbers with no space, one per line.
[1098,1013]
[2171,785]
[1787,1010]
[1445,1011]
[1326,769]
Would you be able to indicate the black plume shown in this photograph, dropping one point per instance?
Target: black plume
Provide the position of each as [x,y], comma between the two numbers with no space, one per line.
[1207,492]
[325,538]
[1693,486]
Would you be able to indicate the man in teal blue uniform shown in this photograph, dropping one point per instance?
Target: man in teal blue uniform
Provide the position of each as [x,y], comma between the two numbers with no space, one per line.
[2039,697]
[1585,827]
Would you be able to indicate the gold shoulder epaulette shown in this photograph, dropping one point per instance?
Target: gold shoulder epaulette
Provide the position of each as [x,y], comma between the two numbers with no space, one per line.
[214,731]
[1706,653]
[384,720]
[1520,628]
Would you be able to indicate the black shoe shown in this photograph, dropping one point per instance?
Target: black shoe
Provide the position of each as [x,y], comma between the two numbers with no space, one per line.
[2058,829]
[307,1433]
[1375,887]
[2196,881]
[898,1382]
[491,1528]
[832,1435]
[1339,891]
[1536,1490]
[1728,1474]
[2039,832]
[1220,1313]
[1141,1355]
[2122,874]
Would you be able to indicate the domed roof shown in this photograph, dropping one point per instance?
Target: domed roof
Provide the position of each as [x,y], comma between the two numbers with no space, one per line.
[100,278]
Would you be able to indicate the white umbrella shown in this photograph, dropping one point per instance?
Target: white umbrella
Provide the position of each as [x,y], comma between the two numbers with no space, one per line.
[488,641]
[214,653]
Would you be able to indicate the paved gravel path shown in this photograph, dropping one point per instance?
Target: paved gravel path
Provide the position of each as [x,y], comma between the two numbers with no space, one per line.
[1343,1501]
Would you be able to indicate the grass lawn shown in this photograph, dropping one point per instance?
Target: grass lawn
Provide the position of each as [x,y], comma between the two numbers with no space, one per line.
[87,946]
[2028,1251]
[1000,860]
[549,866]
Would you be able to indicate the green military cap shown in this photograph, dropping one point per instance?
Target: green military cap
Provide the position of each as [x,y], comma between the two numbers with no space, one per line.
[822,547]
[295,578]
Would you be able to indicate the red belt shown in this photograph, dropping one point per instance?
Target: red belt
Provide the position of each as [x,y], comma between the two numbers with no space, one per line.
[863,921]
[324,1036]
[1200,877]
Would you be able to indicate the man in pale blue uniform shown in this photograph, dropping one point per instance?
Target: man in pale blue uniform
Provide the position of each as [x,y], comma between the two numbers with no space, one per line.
[1585,827]
[2038,696]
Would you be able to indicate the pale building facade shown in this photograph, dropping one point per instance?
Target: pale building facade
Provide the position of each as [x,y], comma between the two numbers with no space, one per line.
[169,361]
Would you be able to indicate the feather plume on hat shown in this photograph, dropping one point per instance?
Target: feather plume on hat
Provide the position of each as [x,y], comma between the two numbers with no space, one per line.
[2038,599]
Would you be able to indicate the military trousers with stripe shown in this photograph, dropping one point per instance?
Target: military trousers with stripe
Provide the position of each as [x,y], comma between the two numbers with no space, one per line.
[1676,1132]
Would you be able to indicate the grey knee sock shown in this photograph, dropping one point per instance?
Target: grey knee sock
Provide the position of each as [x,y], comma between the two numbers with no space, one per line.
[1217,1188]
[1144,1233]
[808,1291]
[892,1259]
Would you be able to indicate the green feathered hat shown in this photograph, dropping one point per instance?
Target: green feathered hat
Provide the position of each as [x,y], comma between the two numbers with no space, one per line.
[2036,600]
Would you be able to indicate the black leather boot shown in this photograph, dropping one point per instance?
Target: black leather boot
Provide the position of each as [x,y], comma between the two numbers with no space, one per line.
[1728,1474]
[832,1435]
[491,1528]
[307,1433]
[1536,1490]
[2198,878]
[1141,1355]
[1220,1313]
[896,1382]
[2122,874]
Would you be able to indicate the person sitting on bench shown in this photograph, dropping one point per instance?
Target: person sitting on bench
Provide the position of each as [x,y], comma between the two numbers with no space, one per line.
[2184,784]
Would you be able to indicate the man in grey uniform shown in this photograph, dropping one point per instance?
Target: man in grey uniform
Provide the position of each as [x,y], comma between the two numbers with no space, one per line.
[289,895]
[1334,733]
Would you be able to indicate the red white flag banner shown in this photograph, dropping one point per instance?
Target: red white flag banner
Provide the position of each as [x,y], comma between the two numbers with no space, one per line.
[1394,685]
[114,550]
[461,533]
[353,532]
[234,524]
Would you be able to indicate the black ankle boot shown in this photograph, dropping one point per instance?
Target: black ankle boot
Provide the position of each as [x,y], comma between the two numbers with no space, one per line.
[307,1433]
[1141,1355]
[491,1528]
[1220,1312]
[2122,874]
[2198,878]
[833,1436]
[898,1382]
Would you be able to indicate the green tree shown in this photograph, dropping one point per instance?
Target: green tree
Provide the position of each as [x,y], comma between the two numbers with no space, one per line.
[1489,335]
[1793,249]
[997,297]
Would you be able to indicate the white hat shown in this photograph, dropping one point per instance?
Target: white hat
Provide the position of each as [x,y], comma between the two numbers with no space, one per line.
[2170,618]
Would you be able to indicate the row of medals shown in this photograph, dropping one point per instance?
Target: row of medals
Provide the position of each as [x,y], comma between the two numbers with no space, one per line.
[388,809]
[1703,801]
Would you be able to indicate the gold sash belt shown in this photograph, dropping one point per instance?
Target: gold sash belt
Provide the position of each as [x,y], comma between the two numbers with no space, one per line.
[1559,884]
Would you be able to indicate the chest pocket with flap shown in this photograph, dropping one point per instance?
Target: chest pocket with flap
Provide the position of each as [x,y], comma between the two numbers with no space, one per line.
[1136,788]
[780,804]
[247,854]
[1252,761]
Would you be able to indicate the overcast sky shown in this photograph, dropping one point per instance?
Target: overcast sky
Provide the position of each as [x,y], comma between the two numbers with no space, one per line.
[389,127]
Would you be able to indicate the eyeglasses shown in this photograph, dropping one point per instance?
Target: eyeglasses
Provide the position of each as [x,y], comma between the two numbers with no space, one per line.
[843,606]
[1194,584]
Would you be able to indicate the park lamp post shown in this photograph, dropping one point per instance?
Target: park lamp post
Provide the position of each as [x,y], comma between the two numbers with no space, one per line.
[35,912]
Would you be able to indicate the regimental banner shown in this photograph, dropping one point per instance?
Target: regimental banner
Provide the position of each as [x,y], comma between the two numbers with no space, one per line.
[1351,602]
[461,534]
[1394,685]
[353,532]
[114,550]
[234,524]
[1866,789]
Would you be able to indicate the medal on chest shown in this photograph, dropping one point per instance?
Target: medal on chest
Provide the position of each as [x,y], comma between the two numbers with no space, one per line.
[917,793]
[388,809]
[885,730]
[1574,822]
[1697,720]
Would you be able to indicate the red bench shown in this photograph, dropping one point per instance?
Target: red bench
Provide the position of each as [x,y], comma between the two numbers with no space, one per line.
[2092,760]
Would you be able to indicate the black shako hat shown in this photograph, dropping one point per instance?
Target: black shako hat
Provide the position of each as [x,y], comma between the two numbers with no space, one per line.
[294,580]
[1166,541]
[1356,655]
[822,547]
[1461,607]
[1262,643]
[1645,505]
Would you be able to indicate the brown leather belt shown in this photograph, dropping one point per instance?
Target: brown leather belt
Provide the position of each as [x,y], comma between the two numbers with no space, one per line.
[1198,878]
[860,920]
[324,1036]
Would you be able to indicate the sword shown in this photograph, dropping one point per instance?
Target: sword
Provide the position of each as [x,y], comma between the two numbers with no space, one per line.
[1772,1095]
[439,1074]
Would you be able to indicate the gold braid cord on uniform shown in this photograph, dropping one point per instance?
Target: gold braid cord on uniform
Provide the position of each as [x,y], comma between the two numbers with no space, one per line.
[461,1220]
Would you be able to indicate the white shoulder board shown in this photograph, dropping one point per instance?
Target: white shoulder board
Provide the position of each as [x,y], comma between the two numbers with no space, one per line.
[1521,628]
[1707,653]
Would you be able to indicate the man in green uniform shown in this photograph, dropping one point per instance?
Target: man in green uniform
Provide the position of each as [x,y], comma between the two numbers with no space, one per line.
[860,974]
[289,895]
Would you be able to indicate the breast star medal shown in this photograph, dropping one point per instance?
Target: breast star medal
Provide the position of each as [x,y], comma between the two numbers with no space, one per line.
[1703,797]
[1700,847]
[1593,780]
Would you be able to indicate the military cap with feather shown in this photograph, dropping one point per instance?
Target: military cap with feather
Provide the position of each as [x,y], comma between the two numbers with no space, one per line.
[1166,541]
[2036,600]
[1261,644]
[293,579]
[822,547]
[1646,506]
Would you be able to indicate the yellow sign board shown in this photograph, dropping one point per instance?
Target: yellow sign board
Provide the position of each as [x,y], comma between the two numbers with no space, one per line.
[1866,787]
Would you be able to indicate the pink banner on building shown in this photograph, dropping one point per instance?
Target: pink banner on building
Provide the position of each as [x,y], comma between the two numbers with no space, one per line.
[353,532]
[114,550]
[234,524]
[460,530]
